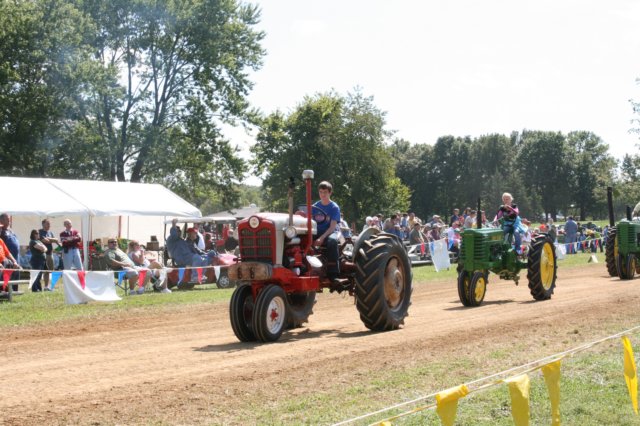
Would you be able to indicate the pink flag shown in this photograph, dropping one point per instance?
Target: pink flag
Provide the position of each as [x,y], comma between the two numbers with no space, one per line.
[199,271]
[141,276]
[81,279]
[422,248]
[6,274]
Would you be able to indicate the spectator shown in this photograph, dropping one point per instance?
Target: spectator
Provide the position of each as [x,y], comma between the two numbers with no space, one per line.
[208,242]
[119,261]
[434,232]
[185,252]
[552,231]
[7,261]
[368,223]
[71,243]
[471,219]
[509,217]
[344,227]
[37,261]
[231,243]
[413,219]
[454,217]
[404,223]
[200,243]
[379,221]
[436,220]
[570,234]
[47,238]
[415,236]
[467,212]
[137,254]
[10,239]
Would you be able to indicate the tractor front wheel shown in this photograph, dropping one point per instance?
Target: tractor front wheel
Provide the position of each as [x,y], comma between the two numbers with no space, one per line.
[611,252]
[299,307]
[621,266]
[632,263]
[241,313]
[463,287]
[383,283]
[542,268]
[477,288]
[270,313]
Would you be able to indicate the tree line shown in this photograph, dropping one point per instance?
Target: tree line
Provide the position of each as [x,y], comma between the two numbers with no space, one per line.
[140,90]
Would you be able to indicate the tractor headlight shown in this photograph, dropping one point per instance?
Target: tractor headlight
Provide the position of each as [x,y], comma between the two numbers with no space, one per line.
[290,232]
[254,222]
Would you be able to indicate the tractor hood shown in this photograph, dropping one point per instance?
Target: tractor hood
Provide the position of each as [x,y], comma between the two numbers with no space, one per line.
[281,221]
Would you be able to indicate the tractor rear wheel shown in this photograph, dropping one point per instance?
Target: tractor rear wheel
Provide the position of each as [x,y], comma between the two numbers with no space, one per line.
[611,252]
[383,282]
[299,307]
[270,313]
[241,313]
[542,268]
[477,288]
[463,287]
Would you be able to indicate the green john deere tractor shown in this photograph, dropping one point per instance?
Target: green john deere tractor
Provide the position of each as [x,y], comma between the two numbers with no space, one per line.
[623,244]
[490,250]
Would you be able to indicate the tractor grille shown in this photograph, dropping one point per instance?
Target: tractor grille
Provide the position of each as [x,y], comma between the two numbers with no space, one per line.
[256,244]
[628,237]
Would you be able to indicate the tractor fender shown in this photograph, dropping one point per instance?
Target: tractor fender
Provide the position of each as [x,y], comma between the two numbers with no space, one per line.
[366,235]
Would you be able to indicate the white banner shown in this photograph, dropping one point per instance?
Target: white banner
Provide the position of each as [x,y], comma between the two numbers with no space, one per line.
[99,286]
[440,255]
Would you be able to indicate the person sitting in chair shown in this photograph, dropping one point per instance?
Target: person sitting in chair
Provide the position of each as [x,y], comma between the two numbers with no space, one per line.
[137,255]
[186,252]
[119,261]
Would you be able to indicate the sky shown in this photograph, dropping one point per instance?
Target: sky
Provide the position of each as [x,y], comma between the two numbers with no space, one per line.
[458,67]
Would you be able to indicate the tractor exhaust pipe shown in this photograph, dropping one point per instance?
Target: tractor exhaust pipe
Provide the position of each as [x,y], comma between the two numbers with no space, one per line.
[307,175]
[612,220]
[292,186]
[478,216]
[629,213]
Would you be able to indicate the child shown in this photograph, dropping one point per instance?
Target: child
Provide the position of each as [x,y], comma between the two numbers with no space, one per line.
[511,222]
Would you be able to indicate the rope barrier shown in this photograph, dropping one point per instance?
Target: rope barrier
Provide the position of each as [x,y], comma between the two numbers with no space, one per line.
[522,369]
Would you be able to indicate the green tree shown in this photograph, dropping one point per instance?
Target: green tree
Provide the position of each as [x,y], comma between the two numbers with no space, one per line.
[591,170]
[342,138]
[542,160]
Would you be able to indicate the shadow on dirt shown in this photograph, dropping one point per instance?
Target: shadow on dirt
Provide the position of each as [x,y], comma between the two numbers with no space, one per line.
[291,336]
[484,303]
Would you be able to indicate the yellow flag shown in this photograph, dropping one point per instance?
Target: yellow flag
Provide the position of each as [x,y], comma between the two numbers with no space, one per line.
[519,390]
[551,374]
[447,401]
[630,372]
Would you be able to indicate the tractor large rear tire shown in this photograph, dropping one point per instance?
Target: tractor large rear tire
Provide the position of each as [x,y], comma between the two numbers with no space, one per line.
[611,252]
[270,313]
[241,313]
[463,287]
[383,283]
[542,267]
[299,307]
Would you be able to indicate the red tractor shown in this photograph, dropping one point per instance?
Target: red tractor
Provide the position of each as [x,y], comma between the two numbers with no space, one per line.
[280,270]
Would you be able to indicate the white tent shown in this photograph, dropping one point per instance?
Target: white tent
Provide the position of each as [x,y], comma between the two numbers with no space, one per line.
[101,207]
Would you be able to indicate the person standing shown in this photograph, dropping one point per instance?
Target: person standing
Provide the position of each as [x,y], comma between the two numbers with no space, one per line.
[11,240]
[570,234]
[71,241]
[454,217]
[47,238]
[328,231]
[37,250]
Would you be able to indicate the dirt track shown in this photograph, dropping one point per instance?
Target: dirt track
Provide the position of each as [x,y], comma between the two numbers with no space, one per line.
[187,367]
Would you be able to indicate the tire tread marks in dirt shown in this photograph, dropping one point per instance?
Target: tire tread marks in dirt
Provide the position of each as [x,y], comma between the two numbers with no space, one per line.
[372,260]
[534,268]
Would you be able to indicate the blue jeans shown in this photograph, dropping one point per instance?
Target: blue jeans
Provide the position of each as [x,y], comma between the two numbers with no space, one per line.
[507,229]
[38,265]
[332,242]
[199,260]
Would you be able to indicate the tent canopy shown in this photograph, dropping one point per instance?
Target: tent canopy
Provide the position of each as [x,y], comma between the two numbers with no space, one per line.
[54,197]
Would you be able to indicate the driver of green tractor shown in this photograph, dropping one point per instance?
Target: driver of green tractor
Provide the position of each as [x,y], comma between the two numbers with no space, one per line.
[509,216]
[328,230]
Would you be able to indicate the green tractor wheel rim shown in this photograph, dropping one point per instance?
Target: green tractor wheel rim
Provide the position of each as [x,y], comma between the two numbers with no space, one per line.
[481,287]
[547,266]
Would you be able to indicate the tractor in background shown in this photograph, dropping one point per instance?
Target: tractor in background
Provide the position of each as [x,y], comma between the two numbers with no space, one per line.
[623,244]
[485,250]
[280,270]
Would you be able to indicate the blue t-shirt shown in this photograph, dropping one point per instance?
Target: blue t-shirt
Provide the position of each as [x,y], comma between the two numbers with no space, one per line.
[332,212]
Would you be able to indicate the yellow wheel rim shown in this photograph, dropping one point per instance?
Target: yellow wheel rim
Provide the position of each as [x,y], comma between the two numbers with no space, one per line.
[547,266]
[481,286]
